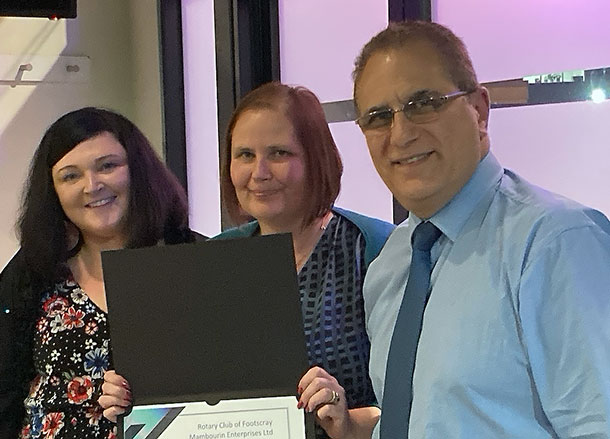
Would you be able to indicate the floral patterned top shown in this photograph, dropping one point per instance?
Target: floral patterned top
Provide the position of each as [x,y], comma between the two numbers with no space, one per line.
[71,353]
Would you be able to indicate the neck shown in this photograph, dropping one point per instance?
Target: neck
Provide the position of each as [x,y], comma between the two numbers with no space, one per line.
[100,244]
[269,228]
[89,257]
[425,212]
[304,239]
[427,208]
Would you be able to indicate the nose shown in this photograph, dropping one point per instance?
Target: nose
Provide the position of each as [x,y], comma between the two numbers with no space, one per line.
[403,131]
[92,183]
[261,170]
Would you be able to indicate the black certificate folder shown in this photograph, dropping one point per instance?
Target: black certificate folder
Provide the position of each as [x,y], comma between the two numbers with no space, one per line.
[209,321]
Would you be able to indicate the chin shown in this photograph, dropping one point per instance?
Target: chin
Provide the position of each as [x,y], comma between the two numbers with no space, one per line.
[106,231]
[412,201]
[268,217]
[266,212]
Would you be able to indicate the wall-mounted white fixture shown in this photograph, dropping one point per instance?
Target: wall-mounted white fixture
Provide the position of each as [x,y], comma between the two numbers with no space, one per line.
[16,70]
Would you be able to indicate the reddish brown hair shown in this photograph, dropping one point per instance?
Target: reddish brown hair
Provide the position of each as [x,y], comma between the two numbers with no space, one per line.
[322,160]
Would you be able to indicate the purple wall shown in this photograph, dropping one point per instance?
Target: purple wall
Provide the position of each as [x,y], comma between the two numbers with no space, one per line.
[201,115]
[562,147]
[319,40]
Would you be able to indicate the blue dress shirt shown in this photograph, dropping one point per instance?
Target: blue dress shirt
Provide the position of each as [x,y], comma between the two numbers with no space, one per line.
[515,340]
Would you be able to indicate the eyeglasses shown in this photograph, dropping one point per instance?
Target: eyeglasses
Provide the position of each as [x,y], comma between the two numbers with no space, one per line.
[422,107]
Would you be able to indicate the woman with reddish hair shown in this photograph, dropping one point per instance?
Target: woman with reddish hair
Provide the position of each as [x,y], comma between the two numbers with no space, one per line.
[282,171]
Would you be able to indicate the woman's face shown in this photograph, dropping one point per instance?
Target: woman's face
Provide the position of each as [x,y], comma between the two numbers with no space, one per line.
[268,168]
[92,184]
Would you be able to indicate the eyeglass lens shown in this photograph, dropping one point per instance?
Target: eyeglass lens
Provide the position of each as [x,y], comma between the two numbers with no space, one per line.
[421,110]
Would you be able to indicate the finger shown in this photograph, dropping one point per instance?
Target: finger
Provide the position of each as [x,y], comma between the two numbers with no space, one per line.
[318,399]
[315,386]
[328,413]
[113,390]
[332,420]
[312,373]
[107,401]
[112,377]
[111,413]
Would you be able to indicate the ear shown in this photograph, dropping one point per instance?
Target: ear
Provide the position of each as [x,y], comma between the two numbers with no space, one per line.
[480,101]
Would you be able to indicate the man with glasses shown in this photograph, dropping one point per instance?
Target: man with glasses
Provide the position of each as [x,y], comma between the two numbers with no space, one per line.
[488,310]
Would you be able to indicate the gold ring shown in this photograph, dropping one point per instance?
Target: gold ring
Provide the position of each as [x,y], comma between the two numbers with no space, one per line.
[335,398]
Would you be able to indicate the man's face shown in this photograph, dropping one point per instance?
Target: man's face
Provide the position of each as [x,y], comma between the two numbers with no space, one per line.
[423,164]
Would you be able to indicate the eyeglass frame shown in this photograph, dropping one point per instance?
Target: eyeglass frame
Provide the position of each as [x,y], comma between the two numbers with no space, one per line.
[442,101]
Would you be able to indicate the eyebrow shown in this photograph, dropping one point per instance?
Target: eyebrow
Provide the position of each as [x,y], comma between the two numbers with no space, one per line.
[419,94]
[97,160]
[278,146]
[266,147]
[412,97]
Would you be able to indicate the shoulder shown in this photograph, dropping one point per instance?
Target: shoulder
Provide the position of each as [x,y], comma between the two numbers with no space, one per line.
[544,213]
[532,225]
[13,280]
[15,263]
[243,231]
[374,231]
[369,225]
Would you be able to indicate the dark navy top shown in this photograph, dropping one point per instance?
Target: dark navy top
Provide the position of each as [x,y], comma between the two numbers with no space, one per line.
[330,285]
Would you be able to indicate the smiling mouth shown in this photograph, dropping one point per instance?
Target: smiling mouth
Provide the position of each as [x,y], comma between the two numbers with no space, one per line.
[264,193]
[413,159]
[101,202]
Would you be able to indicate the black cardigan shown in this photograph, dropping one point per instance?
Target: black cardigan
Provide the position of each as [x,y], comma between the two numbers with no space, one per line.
[18,305]
[17,318]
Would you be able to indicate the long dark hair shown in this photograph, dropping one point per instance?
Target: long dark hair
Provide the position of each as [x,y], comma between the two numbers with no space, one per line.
[157,202]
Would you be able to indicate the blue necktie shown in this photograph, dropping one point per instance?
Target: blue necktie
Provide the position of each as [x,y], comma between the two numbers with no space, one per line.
[398,388]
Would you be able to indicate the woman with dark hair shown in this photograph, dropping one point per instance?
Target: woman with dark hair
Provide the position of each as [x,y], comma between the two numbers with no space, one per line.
[94,184]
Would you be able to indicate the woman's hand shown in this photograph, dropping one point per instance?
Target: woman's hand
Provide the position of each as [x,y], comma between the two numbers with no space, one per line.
[116,395]
[320,392]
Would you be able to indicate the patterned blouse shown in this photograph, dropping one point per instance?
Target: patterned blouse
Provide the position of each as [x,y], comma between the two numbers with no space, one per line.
[330,285]
[71,354]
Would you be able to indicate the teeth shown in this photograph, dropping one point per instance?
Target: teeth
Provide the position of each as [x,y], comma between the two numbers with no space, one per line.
[101,202]
[417,157]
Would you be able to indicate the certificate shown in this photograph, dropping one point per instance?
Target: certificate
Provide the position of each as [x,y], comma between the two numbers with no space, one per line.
[268,418]
[218,321]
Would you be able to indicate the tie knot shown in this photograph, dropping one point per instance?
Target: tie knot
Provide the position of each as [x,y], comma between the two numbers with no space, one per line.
[424,236]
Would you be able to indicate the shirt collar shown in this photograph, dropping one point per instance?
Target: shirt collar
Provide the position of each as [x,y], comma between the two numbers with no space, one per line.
[452,217]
